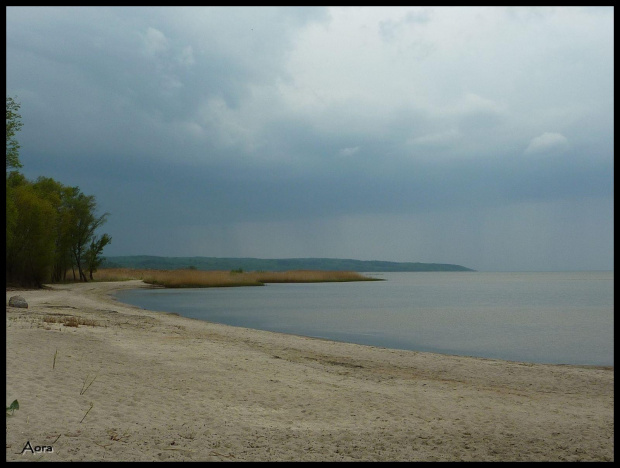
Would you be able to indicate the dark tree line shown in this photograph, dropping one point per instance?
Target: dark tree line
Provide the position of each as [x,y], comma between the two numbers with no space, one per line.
[50,228]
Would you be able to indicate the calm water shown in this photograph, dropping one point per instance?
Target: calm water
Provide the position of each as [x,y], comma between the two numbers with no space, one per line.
[559,318]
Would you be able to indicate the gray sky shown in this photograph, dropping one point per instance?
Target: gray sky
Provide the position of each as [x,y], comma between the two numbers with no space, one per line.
[476,136]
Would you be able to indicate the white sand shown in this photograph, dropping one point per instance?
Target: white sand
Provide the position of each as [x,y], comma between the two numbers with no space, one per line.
[166,387]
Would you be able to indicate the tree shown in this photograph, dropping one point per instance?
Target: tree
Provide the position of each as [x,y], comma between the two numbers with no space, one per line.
[11,211]
[83,226]
[49,227]
[13,125]
[30,254]
[93,255]
[57,194]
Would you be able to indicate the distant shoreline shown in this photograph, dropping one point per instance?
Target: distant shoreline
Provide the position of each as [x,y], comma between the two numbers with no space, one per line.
[282,264]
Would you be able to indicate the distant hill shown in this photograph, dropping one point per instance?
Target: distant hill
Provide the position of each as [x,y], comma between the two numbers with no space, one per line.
[279,264]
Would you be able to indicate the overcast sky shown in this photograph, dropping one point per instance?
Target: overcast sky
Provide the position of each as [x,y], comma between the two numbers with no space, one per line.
[476,136]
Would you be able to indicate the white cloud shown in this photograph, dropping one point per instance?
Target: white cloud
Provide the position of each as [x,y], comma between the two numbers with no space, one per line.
[547,143]
[473,104]
[155,42]
[186,57]
[437,139]
[349,151]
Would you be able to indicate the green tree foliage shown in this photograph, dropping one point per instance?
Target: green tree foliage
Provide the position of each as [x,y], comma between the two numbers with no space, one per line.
[31,250]
[84,223]
[59,195]
[93,256]
[13,125]
[50,228]
[11,214]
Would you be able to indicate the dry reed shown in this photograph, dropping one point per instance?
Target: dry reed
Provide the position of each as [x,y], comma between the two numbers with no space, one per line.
[189,278]
[70,320]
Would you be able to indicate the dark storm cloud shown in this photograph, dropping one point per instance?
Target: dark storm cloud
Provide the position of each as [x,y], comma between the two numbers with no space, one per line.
[300,129]
[118,76]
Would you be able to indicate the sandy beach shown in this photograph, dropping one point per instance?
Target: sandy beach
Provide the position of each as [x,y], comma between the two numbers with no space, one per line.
[135,385]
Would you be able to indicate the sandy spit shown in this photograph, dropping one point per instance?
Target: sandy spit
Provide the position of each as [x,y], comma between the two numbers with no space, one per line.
[137,385]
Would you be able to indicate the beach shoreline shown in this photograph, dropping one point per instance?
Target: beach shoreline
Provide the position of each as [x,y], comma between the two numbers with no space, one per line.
[136,385]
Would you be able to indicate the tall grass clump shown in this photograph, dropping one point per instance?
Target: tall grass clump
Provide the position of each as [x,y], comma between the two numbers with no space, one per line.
[70,320]
[190,278]
[309,276]
[118,274]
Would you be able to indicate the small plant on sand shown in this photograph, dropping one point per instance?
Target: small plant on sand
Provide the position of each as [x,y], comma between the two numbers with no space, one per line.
[86,387]
[70,320]
[91,407]
[116,435]
[13,406]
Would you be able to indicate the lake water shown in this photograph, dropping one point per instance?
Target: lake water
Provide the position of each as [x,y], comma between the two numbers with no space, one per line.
[557,318]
